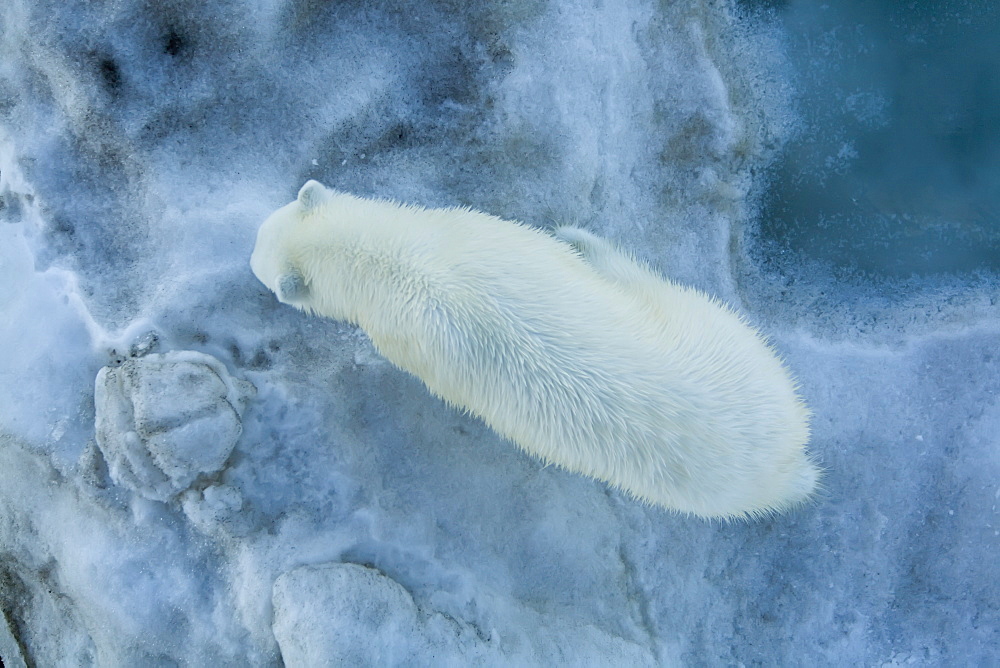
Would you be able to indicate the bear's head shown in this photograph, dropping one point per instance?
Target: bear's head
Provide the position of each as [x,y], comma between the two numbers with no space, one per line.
[272,260]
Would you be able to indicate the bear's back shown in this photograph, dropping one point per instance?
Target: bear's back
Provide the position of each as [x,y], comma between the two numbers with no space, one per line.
[516,327]
[626,377]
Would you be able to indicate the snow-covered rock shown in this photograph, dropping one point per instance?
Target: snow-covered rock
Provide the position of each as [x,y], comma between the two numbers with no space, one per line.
[165,419]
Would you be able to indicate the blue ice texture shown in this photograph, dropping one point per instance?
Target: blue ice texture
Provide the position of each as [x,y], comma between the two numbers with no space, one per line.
[192,473]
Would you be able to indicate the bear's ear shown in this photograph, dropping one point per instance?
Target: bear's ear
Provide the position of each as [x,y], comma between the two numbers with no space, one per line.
[292,287]
[312,194]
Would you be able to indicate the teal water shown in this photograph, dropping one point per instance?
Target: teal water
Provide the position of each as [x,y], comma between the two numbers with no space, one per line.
[896,168]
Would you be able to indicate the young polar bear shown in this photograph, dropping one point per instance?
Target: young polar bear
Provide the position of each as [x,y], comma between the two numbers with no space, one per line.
[567,346]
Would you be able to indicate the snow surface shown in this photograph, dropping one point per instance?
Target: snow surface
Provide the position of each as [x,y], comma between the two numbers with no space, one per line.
[359,519]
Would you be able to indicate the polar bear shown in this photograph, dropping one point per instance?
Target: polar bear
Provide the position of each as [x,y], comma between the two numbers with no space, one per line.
[564,344]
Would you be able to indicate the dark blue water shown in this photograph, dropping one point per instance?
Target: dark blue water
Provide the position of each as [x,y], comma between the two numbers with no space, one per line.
[896,169]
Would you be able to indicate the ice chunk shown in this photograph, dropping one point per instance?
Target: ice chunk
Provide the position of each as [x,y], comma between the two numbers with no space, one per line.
[346,614]
[218,509]
[165,419]
[328,615]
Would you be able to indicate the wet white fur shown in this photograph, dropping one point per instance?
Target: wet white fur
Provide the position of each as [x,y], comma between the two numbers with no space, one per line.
[565,345]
